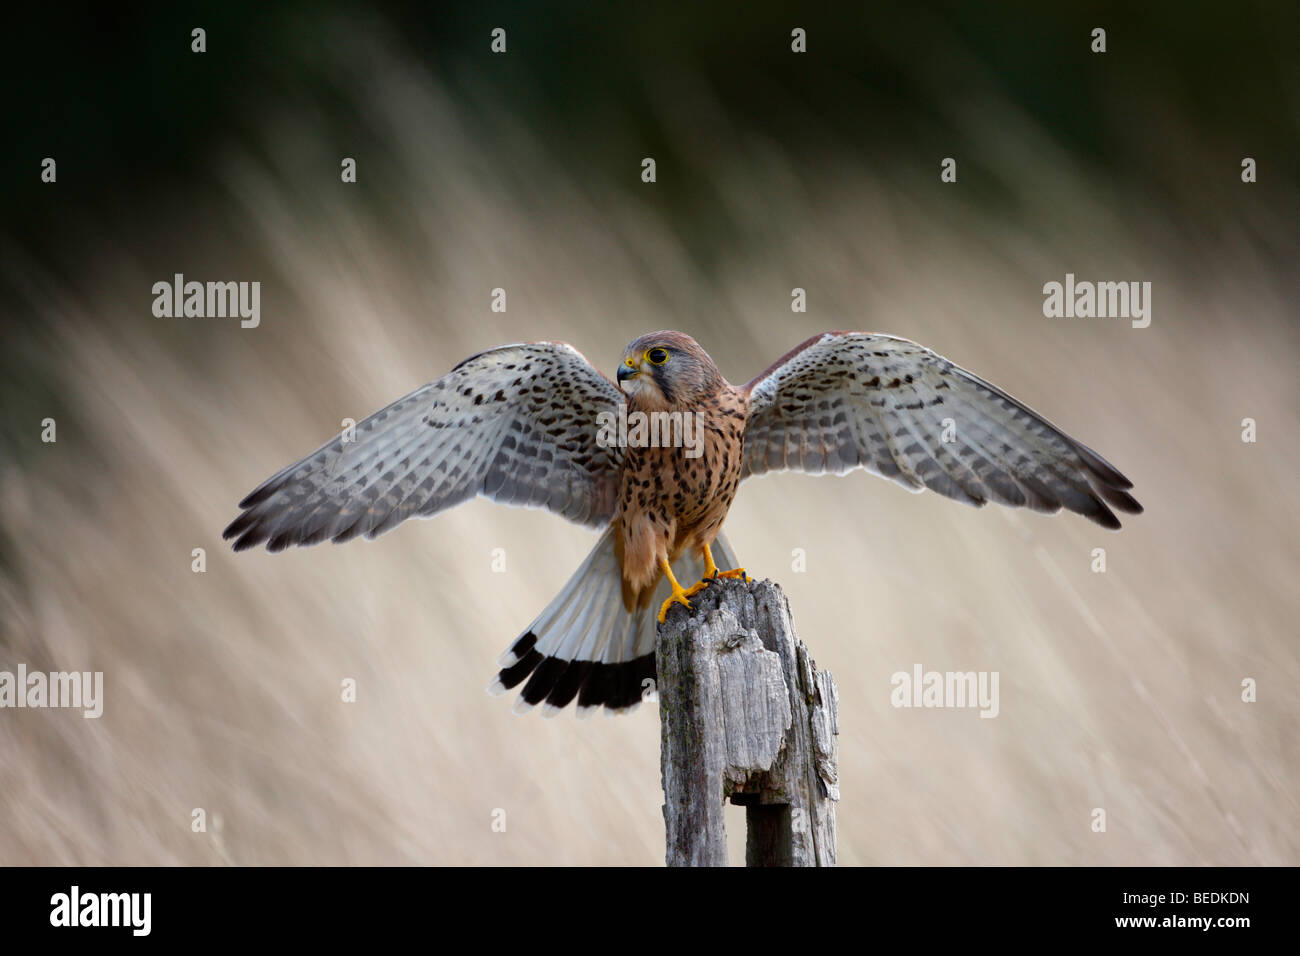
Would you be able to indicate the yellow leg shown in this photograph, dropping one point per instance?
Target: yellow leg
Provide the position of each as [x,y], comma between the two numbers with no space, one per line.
[679,595]
[711,569]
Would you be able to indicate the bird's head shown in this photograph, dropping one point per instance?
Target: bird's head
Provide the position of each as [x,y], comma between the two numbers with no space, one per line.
[666,370]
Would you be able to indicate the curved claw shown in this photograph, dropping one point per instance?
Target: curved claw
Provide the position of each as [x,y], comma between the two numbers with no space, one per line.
[677,598]
[711,573]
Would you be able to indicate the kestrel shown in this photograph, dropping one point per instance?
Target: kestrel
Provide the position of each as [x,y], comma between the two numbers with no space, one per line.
[528,425]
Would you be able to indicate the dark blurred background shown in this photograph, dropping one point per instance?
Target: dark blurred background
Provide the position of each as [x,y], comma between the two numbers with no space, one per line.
[775,170]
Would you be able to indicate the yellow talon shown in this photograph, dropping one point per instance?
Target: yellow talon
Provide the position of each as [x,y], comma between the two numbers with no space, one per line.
[711,569]
[679,596]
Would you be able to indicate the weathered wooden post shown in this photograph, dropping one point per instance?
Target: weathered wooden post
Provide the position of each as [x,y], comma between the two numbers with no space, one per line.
[744,715]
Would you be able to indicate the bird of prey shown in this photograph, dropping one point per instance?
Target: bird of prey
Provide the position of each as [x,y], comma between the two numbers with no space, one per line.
[526,425]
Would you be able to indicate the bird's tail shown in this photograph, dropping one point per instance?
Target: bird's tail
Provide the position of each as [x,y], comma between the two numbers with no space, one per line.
[587,645]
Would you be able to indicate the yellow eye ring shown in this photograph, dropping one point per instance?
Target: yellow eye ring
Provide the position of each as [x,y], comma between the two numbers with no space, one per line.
[656,356]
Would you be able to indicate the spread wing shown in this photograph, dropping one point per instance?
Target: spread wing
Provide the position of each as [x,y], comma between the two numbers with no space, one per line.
[845,400]
[517,424]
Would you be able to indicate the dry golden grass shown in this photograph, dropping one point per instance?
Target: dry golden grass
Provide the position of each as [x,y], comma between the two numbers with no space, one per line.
[1118,690]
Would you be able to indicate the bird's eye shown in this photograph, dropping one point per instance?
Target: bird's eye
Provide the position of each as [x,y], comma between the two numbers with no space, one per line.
[657,356]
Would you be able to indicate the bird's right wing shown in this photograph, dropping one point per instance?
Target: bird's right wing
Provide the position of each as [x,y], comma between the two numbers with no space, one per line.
[518,424]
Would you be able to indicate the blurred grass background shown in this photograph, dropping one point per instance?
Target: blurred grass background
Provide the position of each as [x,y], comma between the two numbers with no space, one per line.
[1118,690]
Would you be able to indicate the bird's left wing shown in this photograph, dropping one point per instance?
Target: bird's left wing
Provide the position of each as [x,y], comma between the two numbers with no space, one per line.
[518,424]
[845,400]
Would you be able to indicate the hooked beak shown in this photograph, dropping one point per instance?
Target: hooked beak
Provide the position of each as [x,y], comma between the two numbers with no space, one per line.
[626,371]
